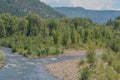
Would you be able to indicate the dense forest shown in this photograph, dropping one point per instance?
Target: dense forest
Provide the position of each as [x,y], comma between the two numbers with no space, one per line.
[97,16]
[24,7]
[34,37]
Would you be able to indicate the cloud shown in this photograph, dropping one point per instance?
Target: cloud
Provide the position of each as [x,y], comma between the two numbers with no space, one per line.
[88,4]
[93,4]
[50,1]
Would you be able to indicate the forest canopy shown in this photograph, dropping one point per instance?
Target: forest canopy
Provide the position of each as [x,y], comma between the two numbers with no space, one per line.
[32,35]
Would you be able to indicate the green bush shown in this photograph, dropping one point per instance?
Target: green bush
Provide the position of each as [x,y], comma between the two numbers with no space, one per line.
[116,65]
[14,49]
[101,71]
[82,62]
[110,74]
[91,55]
[108,56]
[1,56]
[105,56]
[85,74]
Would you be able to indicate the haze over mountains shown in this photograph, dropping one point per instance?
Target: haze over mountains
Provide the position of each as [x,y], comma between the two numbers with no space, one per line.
[99,16]
[24,7]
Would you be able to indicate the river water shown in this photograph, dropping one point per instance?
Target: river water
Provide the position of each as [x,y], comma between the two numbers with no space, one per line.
[18,67]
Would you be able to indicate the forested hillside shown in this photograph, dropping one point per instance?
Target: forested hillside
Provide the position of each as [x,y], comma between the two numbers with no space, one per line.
[95,15]
[24,7]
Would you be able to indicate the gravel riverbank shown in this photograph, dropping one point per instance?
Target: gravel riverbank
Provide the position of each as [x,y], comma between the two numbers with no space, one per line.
[65,70]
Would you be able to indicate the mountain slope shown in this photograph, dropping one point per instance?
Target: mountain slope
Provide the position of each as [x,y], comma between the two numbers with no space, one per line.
[95,15]
[24,7]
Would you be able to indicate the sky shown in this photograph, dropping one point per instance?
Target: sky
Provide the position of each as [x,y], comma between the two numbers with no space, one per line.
[88,4]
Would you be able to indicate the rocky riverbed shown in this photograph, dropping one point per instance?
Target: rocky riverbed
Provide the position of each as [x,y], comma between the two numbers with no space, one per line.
[65,70]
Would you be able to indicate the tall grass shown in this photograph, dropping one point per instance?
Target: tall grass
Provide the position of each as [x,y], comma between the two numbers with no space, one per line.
[1,56]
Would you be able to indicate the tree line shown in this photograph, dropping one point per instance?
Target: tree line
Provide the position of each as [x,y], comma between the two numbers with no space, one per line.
[32,35]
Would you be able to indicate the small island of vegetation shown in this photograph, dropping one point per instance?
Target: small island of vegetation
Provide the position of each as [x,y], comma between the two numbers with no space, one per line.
[1,59]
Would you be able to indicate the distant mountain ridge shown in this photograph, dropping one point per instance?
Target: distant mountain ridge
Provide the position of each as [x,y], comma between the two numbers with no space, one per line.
[24,7]
[98,16]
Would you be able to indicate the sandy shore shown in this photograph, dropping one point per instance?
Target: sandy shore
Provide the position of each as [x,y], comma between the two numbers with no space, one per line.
[65,70]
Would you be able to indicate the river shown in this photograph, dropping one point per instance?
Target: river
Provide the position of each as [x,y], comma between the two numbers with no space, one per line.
[18,67]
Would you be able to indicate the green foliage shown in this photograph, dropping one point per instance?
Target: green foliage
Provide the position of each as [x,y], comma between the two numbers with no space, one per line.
[105,56]
[116,65]
[14,49]
[101,71]
[1,56]
[108,56]
[112,59]
[91,55]
[111,74]
[25,7]
[85,74]
[31,35]
[115,45]
[82,62]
